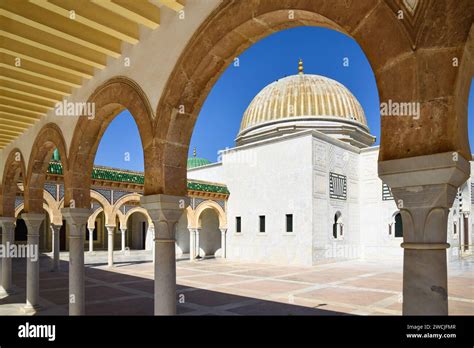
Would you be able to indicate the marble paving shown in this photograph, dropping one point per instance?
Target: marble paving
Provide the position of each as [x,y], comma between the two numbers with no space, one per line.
[221,287]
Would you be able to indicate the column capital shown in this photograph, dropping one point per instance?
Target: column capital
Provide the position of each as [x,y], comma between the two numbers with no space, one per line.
[7,223]
[110,228]
[424,188]
[164,207]
[223,229]
[414,173]
[55,227]
[33,222]
[76,216]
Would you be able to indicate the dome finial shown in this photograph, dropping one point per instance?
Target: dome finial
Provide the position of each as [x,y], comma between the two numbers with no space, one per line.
[194,152]
[300,67]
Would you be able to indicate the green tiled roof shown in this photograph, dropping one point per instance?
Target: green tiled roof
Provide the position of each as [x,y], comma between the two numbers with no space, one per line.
[111,174]
[194,162]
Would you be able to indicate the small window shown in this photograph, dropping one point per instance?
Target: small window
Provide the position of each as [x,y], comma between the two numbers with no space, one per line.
[262,223]
[238,224]
[289,222]
[398,226]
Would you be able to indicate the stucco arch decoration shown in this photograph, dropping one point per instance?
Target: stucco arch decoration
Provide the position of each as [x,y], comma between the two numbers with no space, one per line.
[208,204]
[106,206]
[91,220]
[132,197]
[411,63]
[110,98]
[136,210]
[14,169]
[49,138]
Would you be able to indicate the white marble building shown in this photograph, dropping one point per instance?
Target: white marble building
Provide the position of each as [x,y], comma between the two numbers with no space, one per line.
[303,181]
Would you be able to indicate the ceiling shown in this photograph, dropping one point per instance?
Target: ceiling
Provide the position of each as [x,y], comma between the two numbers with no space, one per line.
[50,47]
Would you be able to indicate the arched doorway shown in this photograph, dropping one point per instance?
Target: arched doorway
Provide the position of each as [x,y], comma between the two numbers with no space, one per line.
[182,237]
[337,226]
[139,236]
[209,234]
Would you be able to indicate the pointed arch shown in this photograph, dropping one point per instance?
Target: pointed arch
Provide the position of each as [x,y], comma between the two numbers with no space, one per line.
[14,171]
[110,99]
[48,139]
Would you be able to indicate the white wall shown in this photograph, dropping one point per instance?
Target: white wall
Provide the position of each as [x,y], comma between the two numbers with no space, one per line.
[332,156]
[271,179]
[212,172]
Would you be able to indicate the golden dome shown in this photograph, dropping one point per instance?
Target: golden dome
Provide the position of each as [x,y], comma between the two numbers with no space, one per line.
[302,96]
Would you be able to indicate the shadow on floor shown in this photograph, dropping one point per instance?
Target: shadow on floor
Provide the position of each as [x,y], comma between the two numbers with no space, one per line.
[113,293]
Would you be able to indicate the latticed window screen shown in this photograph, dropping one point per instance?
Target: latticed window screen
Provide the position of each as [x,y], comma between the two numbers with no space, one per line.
[386,193]
[472,193]
[337,186]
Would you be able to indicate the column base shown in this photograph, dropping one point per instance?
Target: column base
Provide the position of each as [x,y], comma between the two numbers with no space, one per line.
[31,309]
[9,292]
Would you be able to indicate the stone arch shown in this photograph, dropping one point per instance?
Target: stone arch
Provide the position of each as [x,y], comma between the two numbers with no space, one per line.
[236,25]
[138,238]
[45,208]
[55,215]
[93,217]
[132,197]
[106,206]
[49,138]
[110,98]
[14,170]
[208,204]
[461,95]
[137,210]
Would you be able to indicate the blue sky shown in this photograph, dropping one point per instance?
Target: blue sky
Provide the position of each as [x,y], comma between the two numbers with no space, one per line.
[323,52]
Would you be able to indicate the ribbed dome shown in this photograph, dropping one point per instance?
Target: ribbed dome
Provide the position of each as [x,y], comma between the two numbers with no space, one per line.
[194,162]
[302,96]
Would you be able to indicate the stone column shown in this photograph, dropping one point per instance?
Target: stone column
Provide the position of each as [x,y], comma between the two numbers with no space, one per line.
[197,244]
[424,189]
[33,222]
[8,229]
[123,230]
[55,241]
[110,245]
[223,242]
[165,212]
[192,243]
[91,239]
[76,219]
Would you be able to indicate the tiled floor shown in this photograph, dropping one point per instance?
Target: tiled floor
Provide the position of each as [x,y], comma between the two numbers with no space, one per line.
[220,287]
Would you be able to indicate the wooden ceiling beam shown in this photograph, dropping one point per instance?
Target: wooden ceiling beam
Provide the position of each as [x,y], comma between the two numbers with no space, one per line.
[83,14]
[141,12]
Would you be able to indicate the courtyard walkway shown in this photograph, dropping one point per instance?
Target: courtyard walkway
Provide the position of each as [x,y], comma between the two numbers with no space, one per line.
[220,287]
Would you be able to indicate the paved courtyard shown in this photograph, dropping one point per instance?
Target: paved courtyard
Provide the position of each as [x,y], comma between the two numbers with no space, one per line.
[220,287]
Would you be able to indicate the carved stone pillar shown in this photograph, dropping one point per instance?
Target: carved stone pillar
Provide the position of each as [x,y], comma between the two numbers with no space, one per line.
[123,230]
[33,222]
[224,242]
[55,246]
[165,212]
[110,245]
[8,229]
[424,189]
[192,243]
[91,239]
[76,219]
